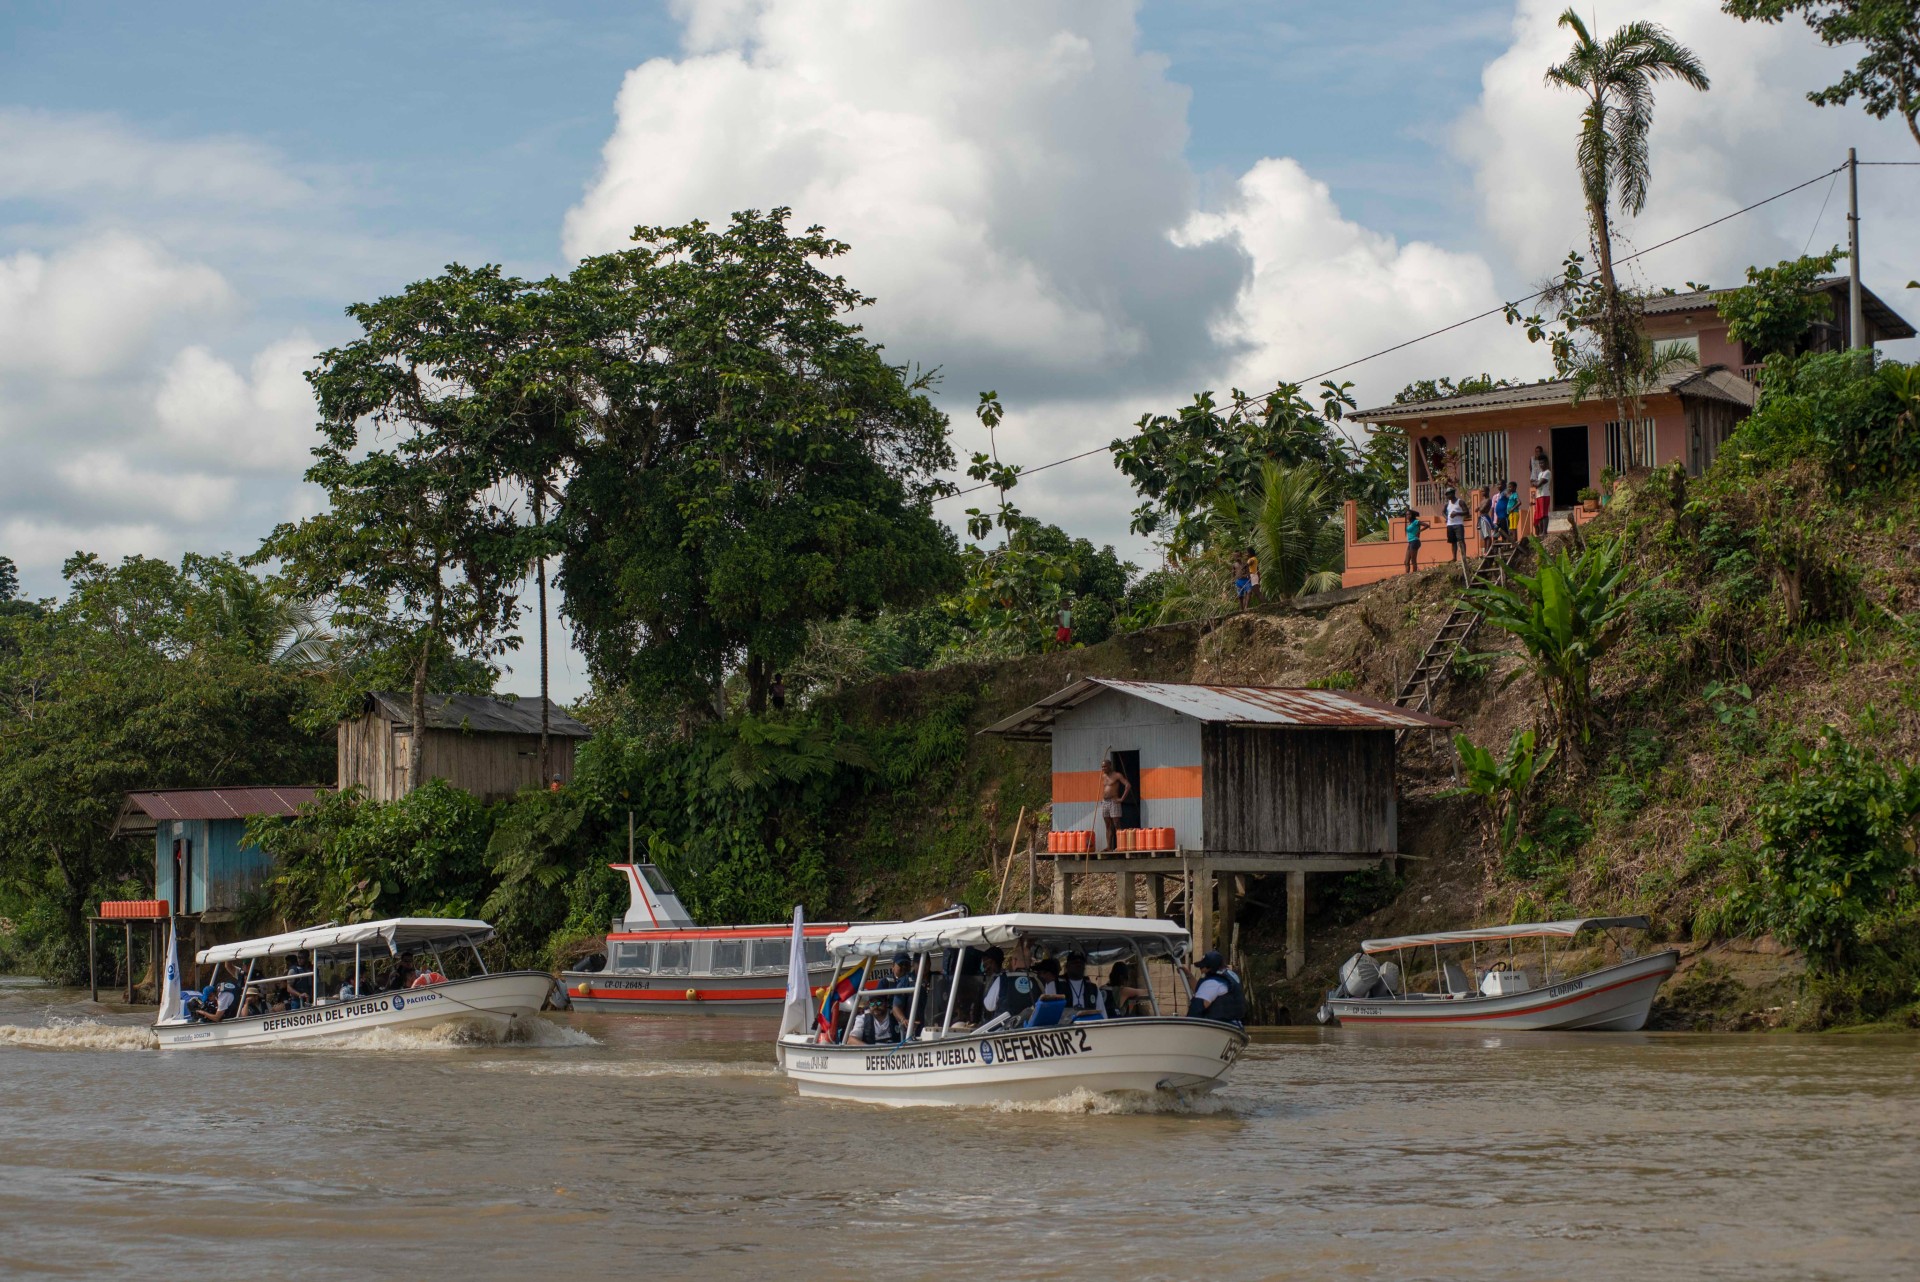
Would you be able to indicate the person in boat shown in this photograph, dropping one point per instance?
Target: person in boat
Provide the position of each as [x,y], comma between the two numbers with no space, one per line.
[402,975]
[901,976]
[1218,995]
[1001,993]
[428,976]
[217,1001]
[1083,992]
[1046,972]
[877,1025]
[1120,998]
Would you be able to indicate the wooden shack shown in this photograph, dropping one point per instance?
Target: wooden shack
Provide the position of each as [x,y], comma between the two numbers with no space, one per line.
[488,746]
[1252,779]
[202,863]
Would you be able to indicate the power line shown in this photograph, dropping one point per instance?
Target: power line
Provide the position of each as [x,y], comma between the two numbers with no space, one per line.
[1241,402]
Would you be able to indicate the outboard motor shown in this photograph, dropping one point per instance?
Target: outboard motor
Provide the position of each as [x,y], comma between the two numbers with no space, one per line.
[1389,979]
[1359,976]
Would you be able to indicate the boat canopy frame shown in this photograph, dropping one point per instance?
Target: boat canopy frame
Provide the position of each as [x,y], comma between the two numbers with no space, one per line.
[1058,930]
[1501,934]
[397,934]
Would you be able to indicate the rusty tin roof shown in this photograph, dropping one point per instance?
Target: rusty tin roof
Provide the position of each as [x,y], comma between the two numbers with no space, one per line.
[1279,706]
[143,811]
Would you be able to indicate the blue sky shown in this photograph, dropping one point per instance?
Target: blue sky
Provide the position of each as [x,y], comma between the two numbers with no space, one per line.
[1095,207]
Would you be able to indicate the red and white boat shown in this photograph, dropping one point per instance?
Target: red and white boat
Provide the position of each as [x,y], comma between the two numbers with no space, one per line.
[657,961]
[1503,994]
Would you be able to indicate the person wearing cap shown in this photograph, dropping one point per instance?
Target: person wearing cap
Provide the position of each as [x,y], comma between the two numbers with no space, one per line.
[219,1000]
[1083,993]
[901,977]
[1218,995]
[877,1025]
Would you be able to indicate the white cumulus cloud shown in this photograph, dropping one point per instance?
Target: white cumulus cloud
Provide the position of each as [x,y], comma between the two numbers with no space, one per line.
[259,420]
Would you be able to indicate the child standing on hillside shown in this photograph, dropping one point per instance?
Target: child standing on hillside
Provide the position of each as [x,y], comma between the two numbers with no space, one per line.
[1413,540]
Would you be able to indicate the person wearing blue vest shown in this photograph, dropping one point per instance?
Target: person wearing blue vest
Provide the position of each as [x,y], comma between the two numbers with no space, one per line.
[1218,995]
[219,1000]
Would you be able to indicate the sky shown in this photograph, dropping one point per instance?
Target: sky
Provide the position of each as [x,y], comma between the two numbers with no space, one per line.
[1095,207]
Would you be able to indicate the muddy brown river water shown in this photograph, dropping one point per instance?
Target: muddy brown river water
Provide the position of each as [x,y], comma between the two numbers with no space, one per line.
[662,1147]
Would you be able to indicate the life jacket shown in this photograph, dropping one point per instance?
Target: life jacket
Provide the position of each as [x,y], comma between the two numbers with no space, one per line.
[1229,1007]
[1008,993]
[877,1032]
[1083,993]
[426,977]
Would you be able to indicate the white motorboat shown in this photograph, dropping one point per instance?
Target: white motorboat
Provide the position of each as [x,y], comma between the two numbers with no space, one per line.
[327,987]
[1047,1052]
[658,962]
[1503,994]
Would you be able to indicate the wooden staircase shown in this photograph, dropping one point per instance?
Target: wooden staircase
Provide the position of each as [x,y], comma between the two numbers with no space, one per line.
[1436,663]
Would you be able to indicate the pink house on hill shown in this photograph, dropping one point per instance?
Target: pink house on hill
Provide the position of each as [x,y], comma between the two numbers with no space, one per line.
[1487,438]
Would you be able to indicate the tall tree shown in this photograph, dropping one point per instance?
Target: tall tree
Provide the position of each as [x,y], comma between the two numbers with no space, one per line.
[418,547]
[1887,32]
[1617,76]
[748,461]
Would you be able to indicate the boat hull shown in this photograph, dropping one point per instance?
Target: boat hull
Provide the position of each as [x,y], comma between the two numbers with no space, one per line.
[497,1000]
[1614,999]
[600,993]
[1011,1066]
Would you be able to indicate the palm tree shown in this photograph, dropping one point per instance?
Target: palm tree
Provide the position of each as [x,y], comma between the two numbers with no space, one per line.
[270,625]
[1290,524]
[1617,76]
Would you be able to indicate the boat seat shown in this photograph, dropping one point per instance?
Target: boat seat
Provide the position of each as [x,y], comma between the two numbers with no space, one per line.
[1047,1012]
[1457,981]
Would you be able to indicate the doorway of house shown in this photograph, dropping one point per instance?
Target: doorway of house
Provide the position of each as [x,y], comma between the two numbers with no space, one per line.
[1570,465]
[1128,764]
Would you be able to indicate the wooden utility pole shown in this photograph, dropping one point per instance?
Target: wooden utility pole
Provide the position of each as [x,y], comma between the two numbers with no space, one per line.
[1856,306]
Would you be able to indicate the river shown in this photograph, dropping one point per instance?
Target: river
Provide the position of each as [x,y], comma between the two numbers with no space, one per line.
[668,1147]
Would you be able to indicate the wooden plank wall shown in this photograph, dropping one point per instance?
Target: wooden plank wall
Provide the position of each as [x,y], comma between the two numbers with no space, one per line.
[1300,791]
[373,755]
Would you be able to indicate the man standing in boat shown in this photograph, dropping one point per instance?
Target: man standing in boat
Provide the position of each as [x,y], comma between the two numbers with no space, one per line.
[1114,790]
[1218,995]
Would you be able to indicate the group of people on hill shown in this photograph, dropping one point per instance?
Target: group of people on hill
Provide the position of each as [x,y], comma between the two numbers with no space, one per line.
[989,990]
[1494,509]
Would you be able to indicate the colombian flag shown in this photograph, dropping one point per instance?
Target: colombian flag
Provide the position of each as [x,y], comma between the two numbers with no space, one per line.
[842,989]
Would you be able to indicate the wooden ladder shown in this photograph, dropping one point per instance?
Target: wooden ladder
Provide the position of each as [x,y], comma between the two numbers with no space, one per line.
[1436,663]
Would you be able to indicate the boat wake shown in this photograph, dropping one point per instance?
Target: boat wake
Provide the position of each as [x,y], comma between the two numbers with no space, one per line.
[58,1034]
[629,1068]
[461,1034]
[1081,1101]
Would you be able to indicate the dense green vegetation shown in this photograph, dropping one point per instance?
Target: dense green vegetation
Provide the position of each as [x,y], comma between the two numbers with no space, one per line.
[1755,731]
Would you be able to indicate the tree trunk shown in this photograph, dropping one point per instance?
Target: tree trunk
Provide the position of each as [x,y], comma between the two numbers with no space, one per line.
[540,577]
[757,679]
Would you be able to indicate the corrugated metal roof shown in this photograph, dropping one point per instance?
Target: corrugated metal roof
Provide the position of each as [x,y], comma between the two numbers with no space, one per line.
[1716,382]
[1230,705]
[1889,322]
[145,809]
[479,714]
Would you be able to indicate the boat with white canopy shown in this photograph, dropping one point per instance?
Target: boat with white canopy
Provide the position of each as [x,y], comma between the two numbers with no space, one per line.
[340,979]
[1047,1049]
[1490,986]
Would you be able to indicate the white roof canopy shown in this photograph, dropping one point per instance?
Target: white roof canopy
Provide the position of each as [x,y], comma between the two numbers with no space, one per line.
[395,934]
[879,939]
[1495,934]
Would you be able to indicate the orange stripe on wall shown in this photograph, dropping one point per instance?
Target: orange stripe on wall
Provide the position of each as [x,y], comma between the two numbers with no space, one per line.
[1169,783]
[1157,783]
[1076,785]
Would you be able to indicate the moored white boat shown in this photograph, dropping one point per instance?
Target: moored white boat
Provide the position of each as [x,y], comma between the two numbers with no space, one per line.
[349,954]
[1047,1053]
[1503,995]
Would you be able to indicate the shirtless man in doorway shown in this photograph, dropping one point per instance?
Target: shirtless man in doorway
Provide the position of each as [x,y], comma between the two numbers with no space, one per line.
[1114,789]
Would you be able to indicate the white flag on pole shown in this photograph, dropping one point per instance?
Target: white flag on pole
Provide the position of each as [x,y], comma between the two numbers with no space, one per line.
[170,986]
[797,1015]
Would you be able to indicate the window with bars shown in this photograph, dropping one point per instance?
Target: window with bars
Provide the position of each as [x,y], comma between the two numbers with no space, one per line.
[1483,460]
[1630,445]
